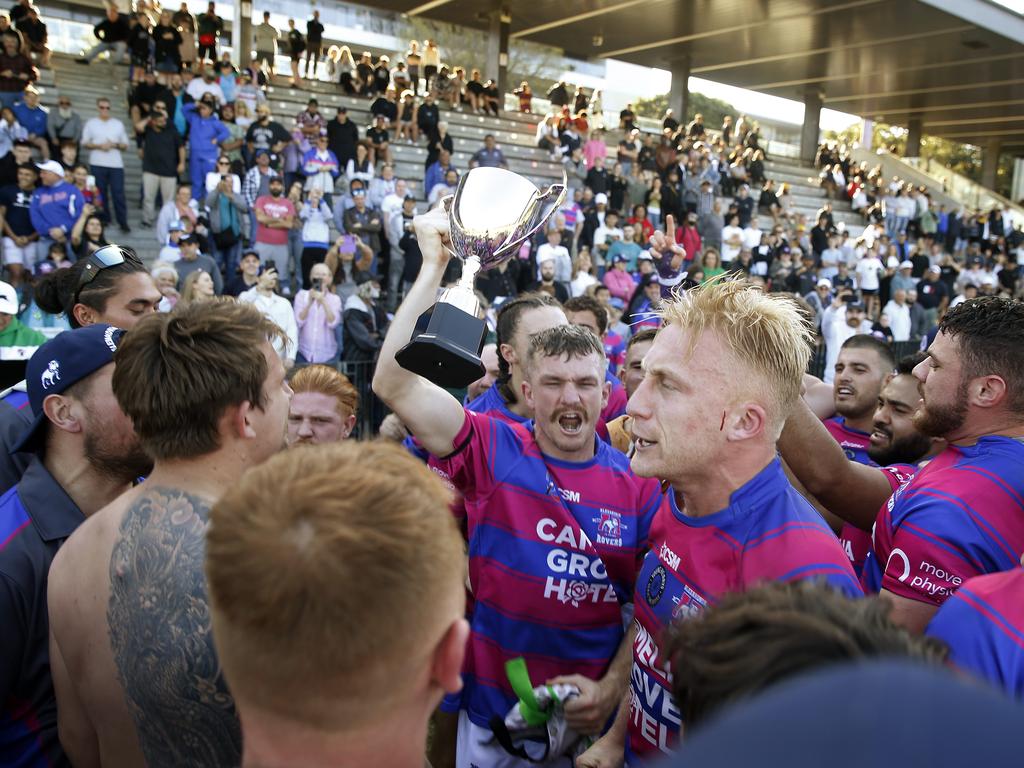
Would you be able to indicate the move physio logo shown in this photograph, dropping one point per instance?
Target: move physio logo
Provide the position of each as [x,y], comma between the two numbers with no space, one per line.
[581,577]
[927,578]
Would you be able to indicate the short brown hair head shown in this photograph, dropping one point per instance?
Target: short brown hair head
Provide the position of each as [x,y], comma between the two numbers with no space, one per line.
[749,642]
[177,373]
[589,304]
[565,341]
[333,572]
[330,382]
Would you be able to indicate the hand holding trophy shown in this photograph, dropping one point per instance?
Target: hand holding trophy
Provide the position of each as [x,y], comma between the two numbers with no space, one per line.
[492,212]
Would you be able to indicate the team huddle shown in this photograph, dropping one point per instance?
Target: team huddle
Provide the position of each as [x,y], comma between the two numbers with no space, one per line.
[556,570]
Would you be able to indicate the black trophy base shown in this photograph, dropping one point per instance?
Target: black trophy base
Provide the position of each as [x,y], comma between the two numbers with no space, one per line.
[448,351]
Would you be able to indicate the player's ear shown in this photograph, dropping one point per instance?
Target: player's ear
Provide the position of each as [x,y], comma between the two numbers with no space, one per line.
[446,666]
[349,424]
[745,422]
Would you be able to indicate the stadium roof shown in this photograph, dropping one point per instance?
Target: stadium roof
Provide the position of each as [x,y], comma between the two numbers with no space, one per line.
[956,64]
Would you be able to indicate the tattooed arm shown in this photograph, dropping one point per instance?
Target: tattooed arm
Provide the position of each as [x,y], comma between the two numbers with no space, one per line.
[160,635]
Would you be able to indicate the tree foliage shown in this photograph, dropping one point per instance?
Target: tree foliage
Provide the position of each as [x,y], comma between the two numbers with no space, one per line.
[712,109]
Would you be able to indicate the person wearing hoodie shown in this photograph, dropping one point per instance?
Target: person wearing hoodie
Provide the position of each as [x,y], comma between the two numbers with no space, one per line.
[321,167]
[363,321]
[55,206]
[206,134]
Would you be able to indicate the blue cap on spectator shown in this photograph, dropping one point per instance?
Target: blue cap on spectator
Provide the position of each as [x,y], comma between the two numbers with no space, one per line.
[262,151]
[61,363]
[176,226]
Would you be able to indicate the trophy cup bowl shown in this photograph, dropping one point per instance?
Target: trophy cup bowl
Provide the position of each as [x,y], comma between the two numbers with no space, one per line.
[492,212]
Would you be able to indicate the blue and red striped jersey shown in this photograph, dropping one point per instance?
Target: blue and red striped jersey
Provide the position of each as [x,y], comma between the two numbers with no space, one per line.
[554,549]
[769,532]
[960,516]
[983,625]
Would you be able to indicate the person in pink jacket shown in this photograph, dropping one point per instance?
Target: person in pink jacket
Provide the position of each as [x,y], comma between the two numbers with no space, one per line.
[595,147]
[619,282]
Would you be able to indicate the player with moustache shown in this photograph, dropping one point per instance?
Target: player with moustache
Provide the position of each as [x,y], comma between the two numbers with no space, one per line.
[556,521]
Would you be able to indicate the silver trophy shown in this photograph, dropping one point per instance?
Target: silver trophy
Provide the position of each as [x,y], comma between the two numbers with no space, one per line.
[491,214]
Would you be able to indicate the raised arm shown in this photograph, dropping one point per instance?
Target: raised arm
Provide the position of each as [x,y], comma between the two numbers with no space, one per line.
[852,491]
[430,413]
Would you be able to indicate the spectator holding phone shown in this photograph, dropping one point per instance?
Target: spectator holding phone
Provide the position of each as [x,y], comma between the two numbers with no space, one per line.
[316,236]
[347,260]
[317,314]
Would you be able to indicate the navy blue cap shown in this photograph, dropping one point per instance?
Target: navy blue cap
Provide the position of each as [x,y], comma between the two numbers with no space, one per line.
[61,363]
[902,730]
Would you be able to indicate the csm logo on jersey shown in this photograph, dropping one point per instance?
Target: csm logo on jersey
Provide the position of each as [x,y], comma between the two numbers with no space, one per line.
[609,528]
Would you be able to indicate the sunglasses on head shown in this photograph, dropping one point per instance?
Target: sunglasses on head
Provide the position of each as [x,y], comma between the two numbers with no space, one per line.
[100,259]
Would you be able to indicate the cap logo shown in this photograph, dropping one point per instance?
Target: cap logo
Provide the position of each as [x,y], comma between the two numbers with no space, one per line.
[108,338]
[51,375]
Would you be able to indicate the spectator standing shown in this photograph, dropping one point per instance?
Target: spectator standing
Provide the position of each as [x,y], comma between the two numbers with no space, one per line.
[342,137]
[210,27]
[266,133]
[428,117]
[315,215]
[317,314]
[558,95]
[266,37]
[207,84]
[33,118]
[296,47]
[36,36]
[206,133]
[63,123]
[364,222]
[278,310]
[20,72]
[19,236]
[167,45]
[191,260]
[321,167]
[314,44]
[105,138]
[55,206]
[180,208]
[112,33]
[227,219]
[275,216]
[185,23]
[163,159]
[431,63]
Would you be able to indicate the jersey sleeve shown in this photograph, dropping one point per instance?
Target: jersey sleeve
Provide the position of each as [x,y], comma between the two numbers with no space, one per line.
[484,451]
[930,556]
[14,636]
[970,628]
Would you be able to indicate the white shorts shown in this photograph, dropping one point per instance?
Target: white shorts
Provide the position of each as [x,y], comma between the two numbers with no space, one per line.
[477,748]
[15,254]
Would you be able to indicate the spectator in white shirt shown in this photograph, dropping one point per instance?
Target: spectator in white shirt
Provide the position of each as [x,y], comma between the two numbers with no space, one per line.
[899,315]
[278,309]
[751,235]
[732,240]
[105,138]
[869,274]
[830,258]
[559,254]
[839,322]
[199,86]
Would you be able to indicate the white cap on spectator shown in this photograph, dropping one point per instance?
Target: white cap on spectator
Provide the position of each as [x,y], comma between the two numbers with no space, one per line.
[936,269]
[892,263]
[8,299]
[600,199]
[906,265]
[52,166]
[825,282]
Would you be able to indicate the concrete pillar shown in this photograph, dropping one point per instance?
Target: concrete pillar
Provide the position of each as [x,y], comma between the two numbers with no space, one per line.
[679,93]
[867,133]
[497,48]
[989,163]
[811,130]
[241,33]
[913,138]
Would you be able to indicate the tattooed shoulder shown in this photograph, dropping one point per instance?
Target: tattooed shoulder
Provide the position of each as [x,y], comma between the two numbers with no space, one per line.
[160,634]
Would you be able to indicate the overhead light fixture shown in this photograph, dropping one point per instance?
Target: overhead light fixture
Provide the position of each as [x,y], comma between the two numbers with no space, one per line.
[598,40]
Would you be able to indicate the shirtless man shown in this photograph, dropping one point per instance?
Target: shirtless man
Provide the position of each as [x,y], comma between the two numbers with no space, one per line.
[137,678]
